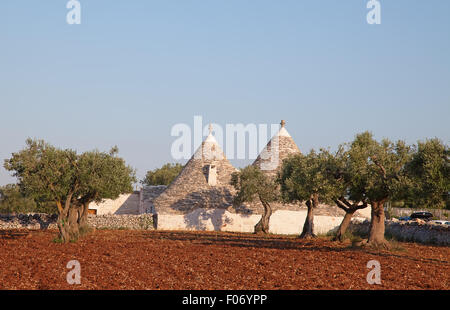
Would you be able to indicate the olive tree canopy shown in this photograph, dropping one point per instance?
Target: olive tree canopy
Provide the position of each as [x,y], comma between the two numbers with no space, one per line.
[71,181]
[252,184]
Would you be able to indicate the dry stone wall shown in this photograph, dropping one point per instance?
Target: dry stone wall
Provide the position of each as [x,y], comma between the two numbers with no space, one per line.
[411,231]
[28,221]
[107,221]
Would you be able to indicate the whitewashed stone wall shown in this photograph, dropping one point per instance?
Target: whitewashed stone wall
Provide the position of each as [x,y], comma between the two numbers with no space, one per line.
[283,222]
[45,221]
[208,219]
[125,204]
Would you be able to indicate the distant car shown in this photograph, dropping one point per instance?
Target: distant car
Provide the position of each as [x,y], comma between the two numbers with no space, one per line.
[441,222]
[405,218]
[422,215]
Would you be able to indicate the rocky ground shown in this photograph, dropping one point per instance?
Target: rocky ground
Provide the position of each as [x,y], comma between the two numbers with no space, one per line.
[127,259]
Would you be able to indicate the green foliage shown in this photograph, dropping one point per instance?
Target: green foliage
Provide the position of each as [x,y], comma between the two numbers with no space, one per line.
[44,172]
[162,176]
[48,207]
[54,176]
[375,171]
[251,183]
[12,200]
[103,176]
[302,176]
[429,171]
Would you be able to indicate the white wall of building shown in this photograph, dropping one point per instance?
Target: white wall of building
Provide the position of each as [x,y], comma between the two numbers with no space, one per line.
[125,204]
[281,222]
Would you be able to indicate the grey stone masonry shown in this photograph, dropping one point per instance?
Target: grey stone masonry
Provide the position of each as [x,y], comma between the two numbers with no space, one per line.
[323,209]
[148,195]
[190,190]
[280,147]
[270,161]
[45,221]
[411,231]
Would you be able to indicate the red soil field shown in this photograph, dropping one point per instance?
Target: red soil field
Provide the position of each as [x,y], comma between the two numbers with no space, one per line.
[125,259]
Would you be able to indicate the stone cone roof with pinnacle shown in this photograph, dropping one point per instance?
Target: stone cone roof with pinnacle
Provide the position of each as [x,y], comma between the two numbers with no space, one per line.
[285,146]
[190,190]
[280,147]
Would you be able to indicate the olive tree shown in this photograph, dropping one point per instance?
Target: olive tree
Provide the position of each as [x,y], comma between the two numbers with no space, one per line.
[101,176]
[251,184]
[375,174]
[429,174]
[337,171]
[162,176]
[12,200]
[71,181]
[306,178]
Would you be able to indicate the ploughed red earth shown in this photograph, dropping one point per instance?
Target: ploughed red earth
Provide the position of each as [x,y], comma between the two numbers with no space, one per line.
[126,259]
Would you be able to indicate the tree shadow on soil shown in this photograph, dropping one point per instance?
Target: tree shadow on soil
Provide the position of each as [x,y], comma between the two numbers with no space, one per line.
[273,242]
[239,240]
[13,234]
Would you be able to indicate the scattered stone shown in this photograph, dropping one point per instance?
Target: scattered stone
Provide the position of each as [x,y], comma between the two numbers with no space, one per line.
[44,221]
[411,231]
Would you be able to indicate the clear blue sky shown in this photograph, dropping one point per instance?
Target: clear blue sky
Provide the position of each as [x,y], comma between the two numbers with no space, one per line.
[135,68]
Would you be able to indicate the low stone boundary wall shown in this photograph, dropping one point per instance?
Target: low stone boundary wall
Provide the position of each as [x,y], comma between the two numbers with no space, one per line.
[28,221]
[441,214]
[142,221]
[45,221]
[411,231]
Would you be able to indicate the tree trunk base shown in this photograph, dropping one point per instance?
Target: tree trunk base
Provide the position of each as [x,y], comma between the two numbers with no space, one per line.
[340,234]
[260,229]
[307,236]
[377,245]
[339,238]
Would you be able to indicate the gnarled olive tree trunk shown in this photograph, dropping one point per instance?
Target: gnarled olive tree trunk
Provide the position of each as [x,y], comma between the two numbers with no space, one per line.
[263,224]
[349,209]
[376,233]
[69,221]
[63,232]
[69,228]
[308,226]
[83,218]
[343,227]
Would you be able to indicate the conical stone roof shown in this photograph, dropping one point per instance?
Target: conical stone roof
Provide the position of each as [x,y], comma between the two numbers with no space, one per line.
[196,186]
[277,149]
